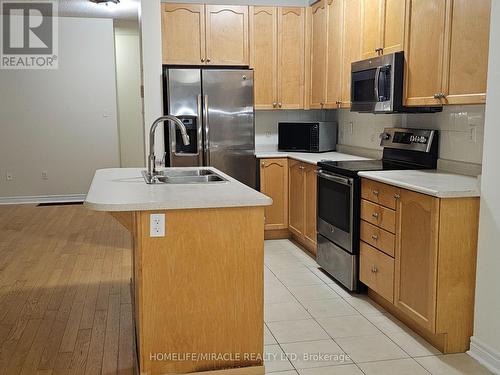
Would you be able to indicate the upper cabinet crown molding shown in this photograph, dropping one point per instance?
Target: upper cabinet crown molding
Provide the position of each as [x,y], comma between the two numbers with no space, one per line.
[195,34]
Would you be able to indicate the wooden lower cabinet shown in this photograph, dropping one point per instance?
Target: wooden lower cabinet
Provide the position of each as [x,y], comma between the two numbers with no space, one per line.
[292,186]
[434,265]
[274,184]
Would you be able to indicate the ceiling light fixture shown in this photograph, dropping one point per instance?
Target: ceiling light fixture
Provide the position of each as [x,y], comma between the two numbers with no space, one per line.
[105,1]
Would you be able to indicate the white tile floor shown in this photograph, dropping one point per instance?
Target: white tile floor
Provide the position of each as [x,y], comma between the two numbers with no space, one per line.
[315,327]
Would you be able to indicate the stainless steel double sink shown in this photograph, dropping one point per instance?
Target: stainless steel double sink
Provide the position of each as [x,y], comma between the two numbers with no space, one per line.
[183,176]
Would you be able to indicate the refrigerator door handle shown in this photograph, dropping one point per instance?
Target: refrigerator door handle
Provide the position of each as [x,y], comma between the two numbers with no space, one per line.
[207,131]
[199,130]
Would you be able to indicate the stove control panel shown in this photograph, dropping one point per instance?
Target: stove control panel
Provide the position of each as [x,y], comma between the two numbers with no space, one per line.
[408,139]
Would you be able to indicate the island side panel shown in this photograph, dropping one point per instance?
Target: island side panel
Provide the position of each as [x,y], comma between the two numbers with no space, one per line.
[201,289]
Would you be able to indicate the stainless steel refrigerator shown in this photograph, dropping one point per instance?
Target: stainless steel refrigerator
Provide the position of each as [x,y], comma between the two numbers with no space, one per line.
[216,106]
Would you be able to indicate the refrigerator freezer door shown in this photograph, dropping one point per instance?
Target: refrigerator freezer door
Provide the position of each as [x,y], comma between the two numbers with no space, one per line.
[229,123]
[184,100]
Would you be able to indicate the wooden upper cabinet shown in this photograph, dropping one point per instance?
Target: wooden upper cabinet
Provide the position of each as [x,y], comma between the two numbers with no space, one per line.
[183,31]
[264,55]
[465,79]
[416,257]
[227,35]
[351,46]
[274,183]
[372,27]
[296,197]
[383,26]
[334,53]
[291,57]
[394,26]
[425,38]
[319,21]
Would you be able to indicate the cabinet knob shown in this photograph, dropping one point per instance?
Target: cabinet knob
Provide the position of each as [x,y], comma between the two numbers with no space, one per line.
[437,96]
[375,215]
[208,60]
[275,104]
[301,167]
[202,59]
[374,237]
[374,269]
[279,105]
[375,192]
[263,164]
[397,196]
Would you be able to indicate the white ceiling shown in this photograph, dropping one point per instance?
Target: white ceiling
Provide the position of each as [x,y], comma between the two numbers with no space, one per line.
[126,10]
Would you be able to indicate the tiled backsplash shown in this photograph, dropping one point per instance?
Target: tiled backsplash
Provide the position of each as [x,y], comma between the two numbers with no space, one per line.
[460,127]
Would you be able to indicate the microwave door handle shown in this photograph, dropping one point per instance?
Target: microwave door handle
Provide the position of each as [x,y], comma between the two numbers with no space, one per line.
[335,178]
[377,79]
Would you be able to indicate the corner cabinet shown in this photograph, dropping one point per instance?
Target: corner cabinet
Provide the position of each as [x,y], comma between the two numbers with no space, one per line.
[274,184]
[277,54]
[425,272]
[194,34]
[446,50]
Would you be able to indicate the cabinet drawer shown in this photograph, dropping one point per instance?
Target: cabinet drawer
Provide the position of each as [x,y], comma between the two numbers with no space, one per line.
[376,192]
[376,270]
[377,237]
[378,215]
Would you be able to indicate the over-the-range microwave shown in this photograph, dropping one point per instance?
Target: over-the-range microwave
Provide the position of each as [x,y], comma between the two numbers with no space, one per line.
[377,86]
[319,136]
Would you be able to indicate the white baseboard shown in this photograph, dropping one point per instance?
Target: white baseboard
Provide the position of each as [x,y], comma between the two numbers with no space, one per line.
[43,199]
[485,355]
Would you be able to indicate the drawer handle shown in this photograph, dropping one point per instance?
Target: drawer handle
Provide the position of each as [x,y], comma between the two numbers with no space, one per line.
[375,215]
[375,192]
[374,237]
[374,270]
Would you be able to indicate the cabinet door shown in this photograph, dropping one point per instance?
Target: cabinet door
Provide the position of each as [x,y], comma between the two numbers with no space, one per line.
[296,197]
[227,35]
[274,184]
[263,55]
[468,52]
[334,57]
[394,26]
[425,30]
[183,33]
[351,50]
[291,48]
[310,233]
[318,54]
[372,17]
[416,257]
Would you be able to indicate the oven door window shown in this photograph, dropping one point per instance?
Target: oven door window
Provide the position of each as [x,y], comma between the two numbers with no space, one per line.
[335,203]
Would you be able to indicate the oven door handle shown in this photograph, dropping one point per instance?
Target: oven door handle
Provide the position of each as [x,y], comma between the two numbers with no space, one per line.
[377,80]
[335,178]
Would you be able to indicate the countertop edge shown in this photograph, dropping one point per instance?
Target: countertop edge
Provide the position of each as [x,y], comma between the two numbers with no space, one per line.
[423,190]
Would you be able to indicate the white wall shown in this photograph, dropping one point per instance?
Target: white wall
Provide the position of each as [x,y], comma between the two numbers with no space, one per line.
[485,344]
[461,130]
[61,121]
[129,102]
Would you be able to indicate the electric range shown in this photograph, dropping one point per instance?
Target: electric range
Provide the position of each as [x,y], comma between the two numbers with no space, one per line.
[339,197]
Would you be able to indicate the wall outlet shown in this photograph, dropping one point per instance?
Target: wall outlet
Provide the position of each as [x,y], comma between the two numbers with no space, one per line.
[9,176]
[45,175]
[157,225]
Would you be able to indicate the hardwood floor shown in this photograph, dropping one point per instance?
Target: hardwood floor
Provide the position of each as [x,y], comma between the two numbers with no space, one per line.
[65,305]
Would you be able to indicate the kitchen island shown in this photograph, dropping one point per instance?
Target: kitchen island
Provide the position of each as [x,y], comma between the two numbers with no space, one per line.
[197,282]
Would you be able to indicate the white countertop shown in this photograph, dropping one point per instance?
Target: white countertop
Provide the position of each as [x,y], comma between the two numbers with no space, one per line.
[436,183]
[265,152]
[124,189]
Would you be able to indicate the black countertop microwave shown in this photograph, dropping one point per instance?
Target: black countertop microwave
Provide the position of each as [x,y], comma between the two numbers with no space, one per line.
[318,136]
